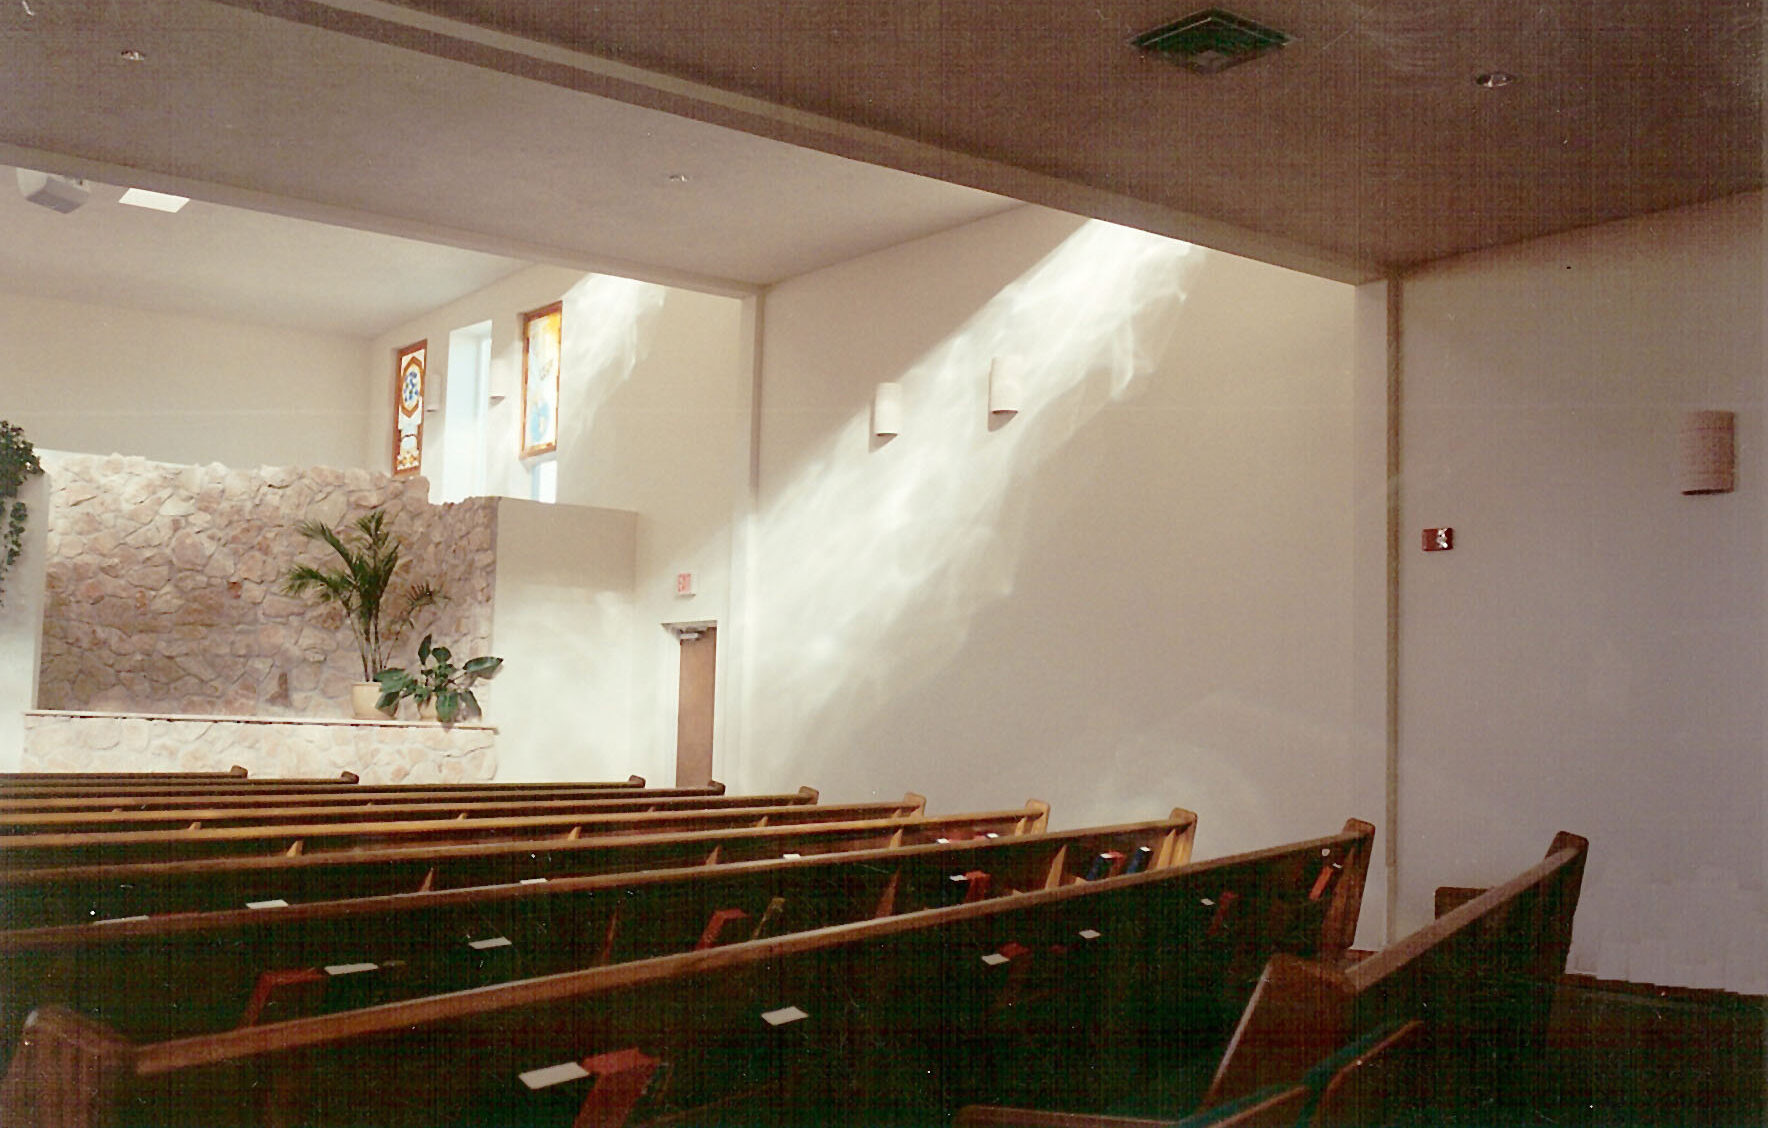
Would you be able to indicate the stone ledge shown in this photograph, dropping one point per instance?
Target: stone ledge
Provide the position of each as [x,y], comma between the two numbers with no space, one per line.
[267,747]
[236,719]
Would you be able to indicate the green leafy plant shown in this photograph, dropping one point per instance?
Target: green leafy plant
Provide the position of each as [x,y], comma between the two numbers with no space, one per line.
[438,680]
[18,461]
[363,586]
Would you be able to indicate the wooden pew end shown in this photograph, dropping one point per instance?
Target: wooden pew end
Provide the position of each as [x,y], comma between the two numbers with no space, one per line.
[237,770]
[636,780]
[68,1071]
[811,793]
[349,777]
[1298,1014]
[1451,897]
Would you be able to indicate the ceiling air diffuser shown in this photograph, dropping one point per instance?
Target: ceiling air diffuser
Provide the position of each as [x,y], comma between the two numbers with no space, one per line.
[1210,41]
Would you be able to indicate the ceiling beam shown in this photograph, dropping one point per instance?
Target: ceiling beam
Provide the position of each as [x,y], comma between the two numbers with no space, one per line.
[356,219]
[398,26]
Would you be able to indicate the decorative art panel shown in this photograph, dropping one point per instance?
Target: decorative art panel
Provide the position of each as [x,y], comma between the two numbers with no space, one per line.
[408,410]
[541,338]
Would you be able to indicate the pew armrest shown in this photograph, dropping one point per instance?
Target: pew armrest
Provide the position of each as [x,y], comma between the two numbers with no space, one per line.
[1000,1116]
[1298,1014]
[1274,1107]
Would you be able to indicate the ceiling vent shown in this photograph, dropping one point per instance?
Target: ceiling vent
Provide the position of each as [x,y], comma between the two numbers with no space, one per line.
[1210,41]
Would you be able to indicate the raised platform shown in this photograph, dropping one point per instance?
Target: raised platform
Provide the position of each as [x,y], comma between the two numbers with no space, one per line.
[318,747]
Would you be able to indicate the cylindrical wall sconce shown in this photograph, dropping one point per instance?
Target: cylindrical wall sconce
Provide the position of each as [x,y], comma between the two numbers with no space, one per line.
[1709,452]
[1005,387]
[886,410]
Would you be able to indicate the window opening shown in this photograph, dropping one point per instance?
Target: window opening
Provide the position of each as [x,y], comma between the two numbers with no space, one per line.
[464,438]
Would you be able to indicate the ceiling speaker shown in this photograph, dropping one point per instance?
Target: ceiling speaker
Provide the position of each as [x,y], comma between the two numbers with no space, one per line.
[57,193]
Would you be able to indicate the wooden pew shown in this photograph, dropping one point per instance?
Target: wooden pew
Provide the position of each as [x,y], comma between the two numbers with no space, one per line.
[1448,1020]
[20,851]
[1482,977]
[367,796]
[1348,1088]
[96,893]
[121,783]
[899,1019]
[26,779]
[263,789]
[204,968]
[257,814]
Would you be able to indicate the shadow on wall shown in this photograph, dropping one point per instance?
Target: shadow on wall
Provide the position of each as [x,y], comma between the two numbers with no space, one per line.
[878,565]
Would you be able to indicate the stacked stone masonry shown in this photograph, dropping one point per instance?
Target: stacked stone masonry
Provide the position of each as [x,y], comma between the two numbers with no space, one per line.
[164,585]
[378,752]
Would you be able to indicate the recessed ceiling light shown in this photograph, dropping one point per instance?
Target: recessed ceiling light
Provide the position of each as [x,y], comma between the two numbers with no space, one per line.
[158,201]
[133,55]
[1491,80]
[678,178]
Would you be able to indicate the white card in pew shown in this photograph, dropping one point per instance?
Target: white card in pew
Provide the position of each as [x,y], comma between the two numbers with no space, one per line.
[553,1075]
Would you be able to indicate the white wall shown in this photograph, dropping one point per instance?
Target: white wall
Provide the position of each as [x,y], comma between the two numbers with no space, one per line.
[21,623]
[1134,595]
[564,626]
[1589,657]
[174,388]
[655,394]
[654,397]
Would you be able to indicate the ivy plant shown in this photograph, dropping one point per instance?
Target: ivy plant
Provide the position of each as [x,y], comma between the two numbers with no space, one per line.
[18,461]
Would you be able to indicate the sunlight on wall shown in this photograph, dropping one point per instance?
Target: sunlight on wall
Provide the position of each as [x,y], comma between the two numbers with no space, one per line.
[879,564]
[607,330]
[608,323]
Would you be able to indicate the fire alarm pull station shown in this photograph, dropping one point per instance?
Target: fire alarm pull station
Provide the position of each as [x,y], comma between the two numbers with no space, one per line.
[1439,540]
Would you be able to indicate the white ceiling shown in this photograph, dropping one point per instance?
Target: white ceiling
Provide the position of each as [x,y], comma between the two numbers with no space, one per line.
[231,107]
[228,263]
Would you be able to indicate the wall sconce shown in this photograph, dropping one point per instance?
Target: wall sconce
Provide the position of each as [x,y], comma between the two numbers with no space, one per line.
[500,383]
[1709,452]
[1005,388]
[886,410]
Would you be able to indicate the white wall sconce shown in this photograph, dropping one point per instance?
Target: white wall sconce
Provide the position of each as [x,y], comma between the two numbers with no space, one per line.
[1709,452]
[886,410]
[501,384]
[1006,388]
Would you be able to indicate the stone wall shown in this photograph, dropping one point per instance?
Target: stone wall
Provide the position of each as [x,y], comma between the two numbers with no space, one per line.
[378,751]
[163,584]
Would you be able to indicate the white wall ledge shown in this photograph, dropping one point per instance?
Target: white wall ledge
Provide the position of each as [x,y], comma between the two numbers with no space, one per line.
[378,751]
[236,718]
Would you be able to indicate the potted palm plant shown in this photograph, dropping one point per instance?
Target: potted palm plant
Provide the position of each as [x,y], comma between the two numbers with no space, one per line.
[362,586]
[439,684]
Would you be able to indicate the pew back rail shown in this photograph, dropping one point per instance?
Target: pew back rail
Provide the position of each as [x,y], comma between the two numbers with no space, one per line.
[939,1006]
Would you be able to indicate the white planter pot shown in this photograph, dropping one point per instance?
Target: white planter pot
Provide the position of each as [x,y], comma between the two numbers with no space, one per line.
[363,696]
